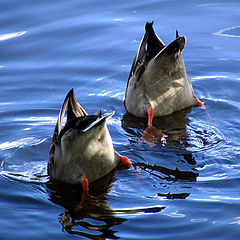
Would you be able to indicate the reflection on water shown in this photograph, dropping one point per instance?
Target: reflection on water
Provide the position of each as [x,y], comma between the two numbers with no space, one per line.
[172,175]
[173,126]
[101,227]
[33,176]
[186,187]
[174,195]
[208,137]
[11,35]
[97,219]
[29,141]
[95,208]
[229,32]
[181,133]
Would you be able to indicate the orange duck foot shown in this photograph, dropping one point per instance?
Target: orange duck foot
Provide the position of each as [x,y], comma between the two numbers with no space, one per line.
[151,134]
[85,187]
[201,104]
[126,161]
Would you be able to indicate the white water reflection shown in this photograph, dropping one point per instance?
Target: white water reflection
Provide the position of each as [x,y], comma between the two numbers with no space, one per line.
[225,198]
[37,121]
[8,36]
[208,77]
[29,141]
[229,32]
[237,221]
[34,172]
[176,214]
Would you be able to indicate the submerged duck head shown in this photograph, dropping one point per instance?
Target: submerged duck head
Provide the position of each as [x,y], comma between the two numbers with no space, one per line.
[83,148]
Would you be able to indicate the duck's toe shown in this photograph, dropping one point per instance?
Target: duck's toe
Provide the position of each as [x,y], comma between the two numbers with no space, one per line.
[152,135]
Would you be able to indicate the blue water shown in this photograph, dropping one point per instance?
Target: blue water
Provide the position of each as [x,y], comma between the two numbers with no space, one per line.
[186,187]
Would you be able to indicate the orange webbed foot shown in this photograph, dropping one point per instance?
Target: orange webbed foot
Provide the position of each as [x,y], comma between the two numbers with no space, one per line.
[85,187]
[201,104]
[126,161]
[152,134]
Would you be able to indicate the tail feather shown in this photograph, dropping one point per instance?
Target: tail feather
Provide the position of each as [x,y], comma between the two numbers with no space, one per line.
[74,108]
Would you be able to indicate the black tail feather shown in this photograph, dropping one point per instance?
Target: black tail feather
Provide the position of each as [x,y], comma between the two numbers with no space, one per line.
[154,45]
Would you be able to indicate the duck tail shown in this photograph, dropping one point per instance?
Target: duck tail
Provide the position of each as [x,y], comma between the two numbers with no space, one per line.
[74,108]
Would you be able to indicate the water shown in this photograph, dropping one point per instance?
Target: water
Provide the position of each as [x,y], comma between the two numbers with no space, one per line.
[186,187]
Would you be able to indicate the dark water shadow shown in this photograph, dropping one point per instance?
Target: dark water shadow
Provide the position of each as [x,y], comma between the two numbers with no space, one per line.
[174,195]
[173,126]
[181,133]
[175,146]
[168,174]
[97,219]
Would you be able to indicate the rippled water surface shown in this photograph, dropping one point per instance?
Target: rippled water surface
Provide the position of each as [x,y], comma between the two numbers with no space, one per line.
[186,187]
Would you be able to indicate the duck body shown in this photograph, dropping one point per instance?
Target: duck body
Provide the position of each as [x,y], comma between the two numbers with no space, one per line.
[158,78]
[83,148]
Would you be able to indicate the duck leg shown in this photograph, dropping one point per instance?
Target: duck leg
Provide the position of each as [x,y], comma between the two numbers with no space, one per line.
[85,187]
[151,134]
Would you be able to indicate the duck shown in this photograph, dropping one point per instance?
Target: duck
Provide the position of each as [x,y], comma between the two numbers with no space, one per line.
[82,151]
[158,83]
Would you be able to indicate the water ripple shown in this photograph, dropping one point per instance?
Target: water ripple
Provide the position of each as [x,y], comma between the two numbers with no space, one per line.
[29,172]
[233,32]
[8,36]
[204,137]
[28,141]
[37,121]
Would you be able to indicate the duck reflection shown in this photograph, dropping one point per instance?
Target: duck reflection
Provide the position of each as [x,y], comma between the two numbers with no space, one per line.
[170,174]
[176,140]
[95,208]
[174,195]
[173,126]
[97,218]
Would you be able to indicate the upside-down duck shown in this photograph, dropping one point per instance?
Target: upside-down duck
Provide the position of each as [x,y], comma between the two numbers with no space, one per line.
[158,84]
[82,151]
